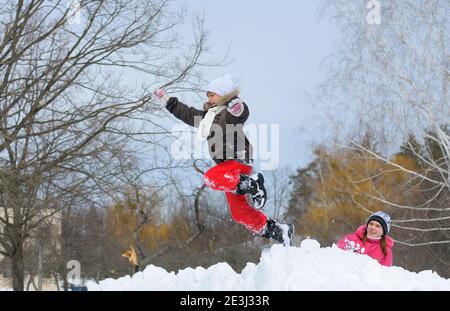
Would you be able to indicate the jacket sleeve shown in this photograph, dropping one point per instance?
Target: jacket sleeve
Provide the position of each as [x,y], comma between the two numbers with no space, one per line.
[350,242]
[188,115]
[342,243]
[237,113]
[388,259]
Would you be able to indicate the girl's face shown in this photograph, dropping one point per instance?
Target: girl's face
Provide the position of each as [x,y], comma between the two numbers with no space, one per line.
[374,230]
[213,98]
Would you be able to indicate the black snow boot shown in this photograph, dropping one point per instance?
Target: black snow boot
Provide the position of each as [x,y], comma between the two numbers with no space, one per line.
[254,185]
[279,232]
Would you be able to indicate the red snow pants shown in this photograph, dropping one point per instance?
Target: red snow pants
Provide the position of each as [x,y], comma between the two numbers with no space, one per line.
[225,177]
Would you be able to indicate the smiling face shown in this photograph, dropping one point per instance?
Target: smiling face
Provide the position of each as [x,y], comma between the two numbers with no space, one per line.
[213,98]
[374,230]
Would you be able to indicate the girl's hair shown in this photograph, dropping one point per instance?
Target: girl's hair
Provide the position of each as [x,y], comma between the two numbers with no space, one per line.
[382,242]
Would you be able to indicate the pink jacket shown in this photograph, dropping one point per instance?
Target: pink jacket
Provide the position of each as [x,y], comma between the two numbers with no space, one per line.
[372,248]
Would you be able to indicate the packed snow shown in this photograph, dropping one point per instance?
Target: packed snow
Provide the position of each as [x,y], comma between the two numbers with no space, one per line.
[308,267]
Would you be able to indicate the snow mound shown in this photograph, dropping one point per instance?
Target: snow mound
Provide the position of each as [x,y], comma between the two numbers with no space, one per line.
[308,267]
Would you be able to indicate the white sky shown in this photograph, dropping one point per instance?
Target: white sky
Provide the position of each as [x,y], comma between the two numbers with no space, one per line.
[277,48]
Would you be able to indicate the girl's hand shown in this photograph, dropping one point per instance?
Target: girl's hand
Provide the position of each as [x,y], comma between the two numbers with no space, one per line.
[161,97]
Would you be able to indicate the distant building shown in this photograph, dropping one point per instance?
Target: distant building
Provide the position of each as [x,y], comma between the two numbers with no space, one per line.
[49,234]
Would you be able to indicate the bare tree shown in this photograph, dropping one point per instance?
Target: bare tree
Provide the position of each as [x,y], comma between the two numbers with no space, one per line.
[67,111]
[199,223]
[393,77]
[279,188]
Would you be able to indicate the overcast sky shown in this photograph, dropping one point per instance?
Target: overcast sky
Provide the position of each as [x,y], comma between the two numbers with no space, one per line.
[277,48]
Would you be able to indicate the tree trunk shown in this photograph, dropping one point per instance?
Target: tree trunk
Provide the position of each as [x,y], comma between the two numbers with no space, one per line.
[18,267]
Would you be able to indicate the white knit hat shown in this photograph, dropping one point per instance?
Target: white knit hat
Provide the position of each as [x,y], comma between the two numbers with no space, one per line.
[221,86]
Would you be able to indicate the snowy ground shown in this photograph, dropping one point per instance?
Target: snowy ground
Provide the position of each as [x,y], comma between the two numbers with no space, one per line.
[308,267]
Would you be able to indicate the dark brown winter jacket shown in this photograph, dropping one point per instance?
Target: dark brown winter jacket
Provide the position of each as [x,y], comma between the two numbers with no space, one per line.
[226,139]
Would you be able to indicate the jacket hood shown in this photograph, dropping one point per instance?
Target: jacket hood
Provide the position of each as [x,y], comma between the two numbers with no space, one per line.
[360,233]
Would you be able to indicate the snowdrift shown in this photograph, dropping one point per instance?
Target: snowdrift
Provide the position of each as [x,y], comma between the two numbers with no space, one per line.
[308,267]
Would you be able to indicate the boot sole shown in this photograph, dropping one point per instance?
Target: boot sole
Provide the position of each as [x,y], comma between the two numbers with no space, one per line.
[261,183]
